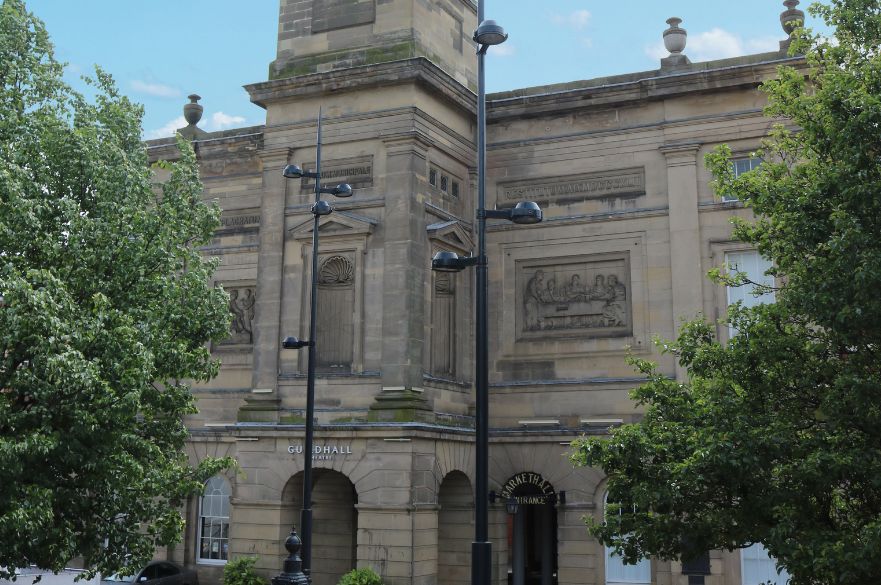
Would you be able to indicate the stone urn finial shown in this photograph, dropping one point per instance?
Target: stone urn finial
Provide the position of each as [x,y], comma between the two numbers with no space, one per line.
[193,110]
[792,17]
[675,36]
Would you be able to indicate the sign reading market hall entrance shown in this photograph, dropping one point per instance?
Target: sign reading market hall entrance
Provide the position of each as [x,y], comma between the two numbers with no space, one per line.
[528,488]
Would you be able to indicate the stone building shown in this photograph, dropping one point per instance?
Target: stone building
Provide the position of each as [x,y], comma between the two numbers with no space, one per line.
[631,228]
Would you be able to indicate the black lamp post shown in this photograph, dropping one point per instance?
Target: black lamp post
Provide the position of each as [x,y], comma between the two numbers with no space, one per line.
[488,33]
[319,209]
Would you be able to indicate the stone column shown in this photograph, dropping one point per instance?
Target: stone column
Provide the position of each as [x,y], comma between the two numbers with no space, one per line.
[406,266]
[385,541]
[685,251]
[259,528]
[498,535]
[579,555]
[547,544]
[262,406]
[518,563]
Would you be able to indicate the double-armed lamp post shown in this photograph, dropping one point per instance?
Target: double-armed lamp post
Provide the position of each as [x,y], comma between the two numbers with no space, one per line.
[319,209]
[488,33]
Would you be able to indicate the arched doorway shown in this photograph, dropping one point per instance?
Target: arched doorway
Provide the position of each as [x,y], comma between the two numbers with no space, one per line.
[532,529]
[454,529]
[334,522]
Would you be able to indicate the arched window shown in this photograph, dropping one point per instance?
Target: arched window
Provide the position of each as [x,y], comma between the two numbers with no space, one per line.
[757,567]
[214,521]
[619,573]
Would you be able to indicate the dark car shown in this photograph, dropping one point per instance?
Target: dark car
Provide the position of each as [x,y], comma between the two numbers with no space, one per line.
[157,573]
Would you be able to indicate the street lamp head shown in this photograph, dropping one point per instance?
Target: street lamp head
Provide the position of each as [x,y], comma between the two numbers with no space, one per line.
[447,262]
[490,33]
[512,506]
[322,208]
[293,172]
[293,343]
[342,190]
[526,212]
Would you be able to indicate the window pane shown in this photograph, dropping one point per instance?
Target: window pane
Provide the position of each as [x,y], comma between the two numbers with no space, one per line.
[758,567]
[740,166]
[214,520]
[619,573]
[754,266]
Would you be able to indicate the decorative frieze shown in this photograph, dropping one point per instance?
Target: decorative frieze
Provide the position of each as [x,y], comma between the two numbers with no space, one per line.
[608,184]
[587,296]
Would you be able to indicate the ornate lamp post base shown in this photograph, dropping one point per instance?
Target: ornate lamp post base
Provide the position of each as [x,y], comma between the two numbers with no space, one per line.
[292,573]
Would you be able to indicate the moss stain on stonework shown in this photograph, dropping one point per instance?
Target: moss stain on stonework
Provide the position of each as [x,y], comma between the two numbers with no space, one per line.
[343,59]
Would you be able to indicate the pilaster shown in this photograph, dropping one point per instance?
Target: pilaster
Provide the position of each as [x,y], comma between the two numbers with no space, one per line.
[685,254]
[263,403]
[406,266]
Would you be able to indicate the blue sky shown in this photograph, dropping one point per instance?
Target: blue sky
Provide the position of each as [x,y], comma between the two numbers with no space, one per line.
[159,51]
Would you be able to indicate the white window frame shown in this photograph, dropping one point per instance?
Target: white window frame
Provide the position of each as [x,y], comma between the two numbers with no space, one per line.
[751,263]
[752,163]
[762,556]
[228,489]
[644,566]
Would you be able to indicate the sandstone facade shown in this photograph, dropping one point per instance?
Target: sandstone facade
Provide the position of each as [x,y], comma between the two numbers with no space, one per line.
[631,228]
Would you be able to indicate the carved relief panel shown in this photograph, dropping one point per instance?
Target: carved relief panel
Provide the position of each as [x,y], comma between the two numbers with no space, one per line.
[336,301]
[242,301]
[443,325]
[585,296]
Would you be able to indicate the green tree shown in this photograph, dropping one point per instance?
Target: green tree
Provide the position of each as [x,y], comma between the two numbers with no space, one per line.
[776,436]
[107,308]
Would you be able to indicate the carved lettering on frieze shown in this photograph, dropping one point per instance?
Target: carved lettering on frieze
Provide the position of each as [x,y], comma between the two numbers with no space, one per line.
[239,220]
[588,298]
[626,183]
[357,172]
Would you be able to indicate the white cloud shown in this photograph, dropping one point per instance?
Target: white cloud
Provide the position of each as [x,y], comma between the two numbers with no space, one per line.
[577,20]
[155,89]
[716,43]
[221,121]
[503,50]
[167,130]
[657,51]
[217,121]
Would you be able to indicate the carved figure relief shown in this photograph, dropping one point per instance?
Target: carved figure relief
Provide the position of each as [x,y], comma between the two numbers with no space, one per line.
[589,297]
[241,306]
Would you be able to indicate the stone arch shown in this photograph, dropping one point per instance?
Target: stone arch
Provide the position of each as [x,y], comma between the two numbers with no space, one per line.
[453,457]
[334,522]
[454,533]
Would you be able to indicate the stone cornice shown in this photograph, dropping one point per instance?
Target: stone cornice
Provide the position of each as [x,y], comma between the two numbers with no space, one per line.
[418,70]
[623,90]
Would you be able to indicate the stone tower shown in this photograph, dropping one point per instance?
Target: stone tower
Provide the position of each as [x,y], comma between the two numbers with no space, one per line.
[394,80]
[325,35]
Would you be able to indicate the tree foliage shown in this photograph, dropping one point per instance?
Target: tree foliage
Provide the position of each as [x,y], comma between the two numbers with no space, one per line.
[107,310]
[776,436]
